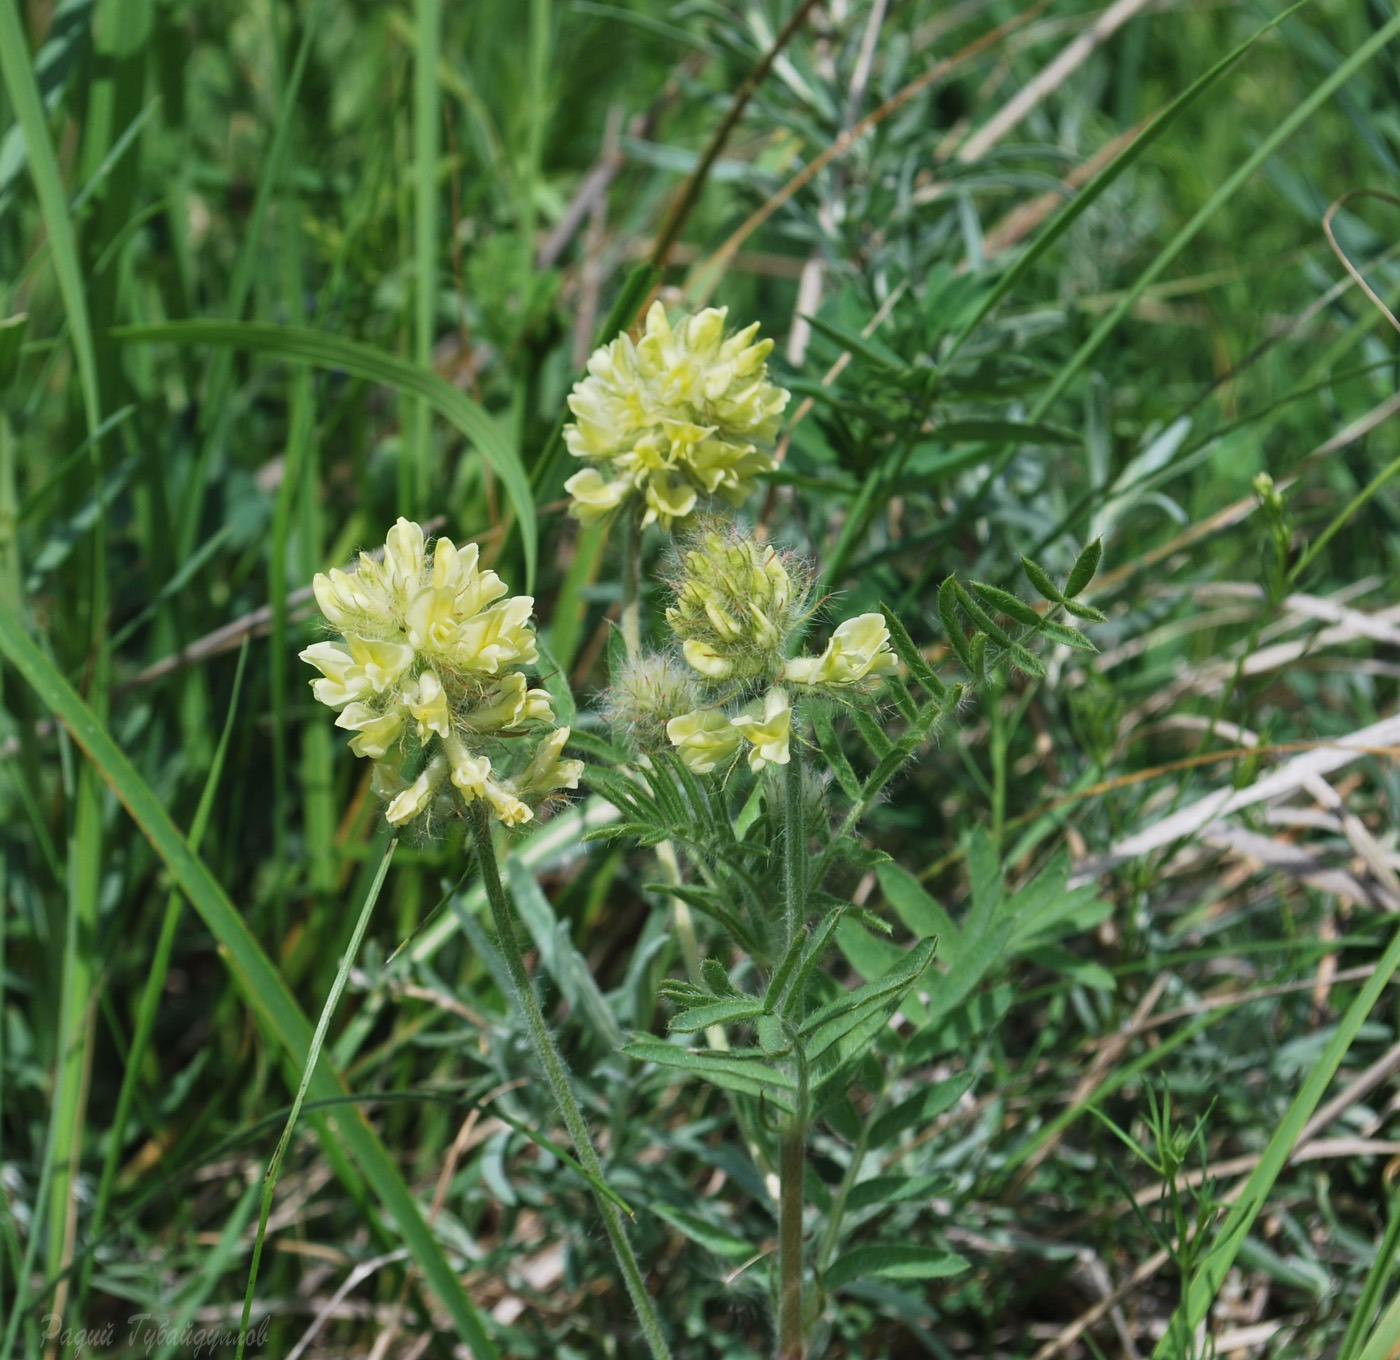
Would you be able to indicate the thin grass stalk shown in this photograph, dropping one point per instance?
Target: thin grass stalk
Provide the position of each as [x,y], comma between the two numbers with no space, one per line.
[274,1169]
[1377,1278]
[557,1077]
[20,1309]
[414,466]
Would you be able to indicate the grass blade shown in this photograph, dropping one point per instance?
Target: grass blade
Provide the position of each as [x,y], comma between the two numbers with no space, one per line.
[415,465]
[1231,1234]
[19,81]
[274,1169]
[321,349]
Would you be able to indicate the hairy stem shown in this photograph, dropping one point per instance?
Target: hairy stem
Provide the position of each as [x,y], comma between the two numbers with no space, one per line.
[792,1156]
[792,1142]
[795,866]
[557,1077]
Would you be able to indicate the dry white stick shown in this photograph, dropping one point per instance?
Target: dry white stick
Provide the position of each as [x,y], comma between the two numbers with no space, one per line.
[1050,79]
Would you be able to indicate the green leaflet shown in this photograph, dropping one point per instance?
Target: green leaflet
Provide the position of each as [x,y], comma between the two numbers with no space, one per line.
[894,1263]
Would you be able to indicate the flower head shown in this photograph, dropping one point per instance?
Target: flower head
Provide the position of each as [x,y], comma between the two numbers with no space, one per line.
[686,411]
[736,602]
[428,677]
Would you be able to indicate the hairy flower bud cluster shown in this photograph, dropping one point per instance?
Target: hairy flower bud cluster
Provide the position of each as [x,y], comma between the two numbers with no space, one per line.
[645,693]
[686,411]
[429,677]
[736,604]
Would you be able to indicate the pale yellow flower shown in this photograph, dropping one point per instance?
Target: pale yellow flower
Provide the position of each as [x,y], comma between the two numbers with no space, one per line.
[594,497]
[546,772]
[509,703]
[360,668]
[859,651]
[705,739]
[428,705]
[415,797]
[766,726]
[375,732]
[474,778]
[681,413]
[429,670]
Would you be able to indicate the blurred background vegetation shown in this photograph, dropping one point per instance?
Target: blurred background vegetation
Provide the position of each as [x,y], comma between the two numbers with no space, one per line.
[272,273]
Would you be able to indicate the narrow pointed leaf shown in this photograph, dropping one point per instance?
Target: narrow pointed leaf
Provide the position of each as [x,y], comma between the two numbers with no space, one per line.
[750,1072]
[1041,580]
[897,1190]
[919,1110]
[1087,612]
[892,1262]
[717,1013]
[1069,637]
[1011,605]
[952,624]
[1086,564]
[878,997]
[905,648]
[980,617]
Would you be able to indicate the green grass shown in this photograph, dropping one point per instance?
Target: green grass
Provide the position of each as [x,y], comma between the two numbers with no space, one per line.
[281,268]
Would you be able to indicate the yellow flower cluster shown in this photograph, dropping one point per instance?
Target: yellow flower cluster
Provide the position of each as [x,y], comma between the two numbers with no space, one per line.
[428,673]
[685,411]
[737,602]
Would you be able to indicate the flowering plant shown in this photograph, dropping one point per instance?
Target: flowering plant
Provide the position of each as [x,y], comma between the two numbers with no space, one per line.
[731,763]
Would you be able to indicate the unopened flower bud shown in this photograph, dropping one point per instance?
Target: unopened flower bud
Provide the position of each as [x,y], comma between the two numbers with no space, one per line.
[648,692]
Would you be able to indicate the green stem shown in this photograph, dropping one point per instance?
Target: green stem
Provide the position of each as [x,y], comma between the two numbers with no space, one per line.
[792,1155]
[794,840]
[632,586]
[274,1169]
[792,1142]
[557,1076]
